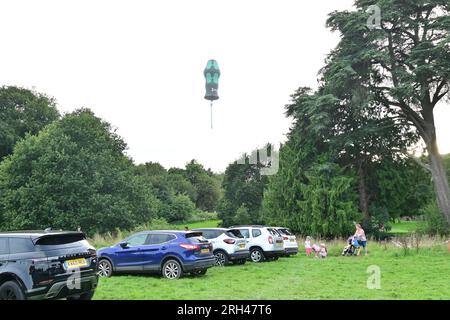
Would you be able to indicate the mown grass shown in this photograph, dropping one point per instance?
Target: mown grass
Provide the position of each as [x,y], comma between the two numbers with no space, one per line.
[405,274]
[405,227]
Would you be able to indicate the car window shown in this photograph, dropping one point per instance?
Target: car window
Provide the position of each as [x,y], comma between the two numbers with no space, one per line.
[195,237]
[208,234]
[235,233]
[159,238]
[273,232]
[20,245]
[245,233]
[137,240]
[4,246]
[285,232]
[256,233]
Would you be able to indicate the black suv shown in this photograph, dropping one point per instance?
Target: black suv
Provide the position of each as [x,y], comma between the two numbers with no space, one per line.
[47,265]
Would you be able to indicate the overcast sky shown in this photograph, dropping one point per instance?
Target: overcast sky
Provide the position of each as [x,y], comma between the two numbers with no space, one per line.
[139,65]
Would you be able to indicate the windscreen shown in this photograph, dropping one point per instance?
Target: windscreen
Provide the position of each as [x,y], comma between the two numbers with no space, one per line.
[59,239]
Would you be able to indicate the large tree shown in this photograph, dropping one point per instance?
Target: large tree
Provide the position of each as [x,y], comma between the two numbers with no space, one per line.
[23,111]
[73,174]
[404,63]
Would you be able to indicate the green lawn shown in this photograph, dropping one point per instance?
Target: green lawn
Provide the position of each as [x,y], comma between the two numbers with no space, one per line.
[404,227]
[423,275]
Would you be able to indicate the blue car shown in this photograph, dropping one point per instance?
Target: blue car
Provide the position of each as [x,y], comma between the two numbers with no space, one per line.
[169,252]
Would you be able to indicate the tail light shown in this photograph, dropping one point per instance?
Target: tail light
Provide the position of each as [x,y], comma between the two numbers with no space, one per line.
[190,246]
[229,241]
[270,239]
[285,238]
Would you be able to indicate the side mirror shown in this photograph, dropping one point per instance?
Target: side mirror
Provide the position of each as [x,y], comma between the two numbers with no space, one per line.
[124,244]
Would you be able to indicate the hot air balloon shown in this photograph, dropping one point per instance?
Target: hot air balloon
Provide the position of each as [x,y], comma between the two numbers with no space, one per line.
[212,74]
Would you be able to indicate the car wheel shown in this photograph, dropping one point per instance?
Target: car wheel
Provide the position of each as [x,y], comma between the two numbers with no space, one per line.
[11,290]
[199,272]
[256,255]
[105,269]
[172,270]
[85,296]
[221,258]
[240,261]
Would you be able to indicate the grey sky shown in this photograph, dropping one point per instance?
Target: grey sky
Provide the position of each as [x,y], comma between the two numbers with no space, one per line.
[139,65]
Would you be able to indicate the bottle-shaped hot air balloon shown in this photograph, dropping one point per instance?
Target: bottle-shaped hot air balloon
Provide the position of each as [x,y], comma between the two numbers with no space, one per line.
[212,74]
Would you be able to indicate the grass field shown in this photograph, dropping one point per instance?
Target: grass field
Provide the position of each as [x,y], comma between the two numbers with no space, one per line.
[411,275]
[404,227]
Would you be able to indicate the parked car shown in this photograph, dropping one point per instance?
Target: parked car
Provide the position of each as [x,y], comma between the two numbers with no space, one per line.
[229,245]
[169,252]
[47,265]
[265,243]
[289,241]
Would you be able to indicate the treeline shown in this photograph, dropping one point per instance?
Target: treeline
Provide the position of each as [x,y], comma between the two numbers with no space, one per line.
[72,172]
[349,155]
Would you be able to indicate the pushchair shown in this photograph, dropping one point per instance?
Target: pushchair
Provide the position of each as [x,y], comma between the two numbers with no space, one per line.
[350,248]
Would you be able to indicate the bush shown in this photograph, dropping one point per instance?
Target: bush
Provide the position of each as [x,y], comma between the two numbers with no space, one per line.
[242,216]
[435,222]
[200,215]
[181,208]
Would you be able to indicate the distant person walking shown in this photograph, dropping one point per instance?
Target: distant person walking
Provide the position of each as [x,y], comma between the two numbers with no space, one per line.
[361,236]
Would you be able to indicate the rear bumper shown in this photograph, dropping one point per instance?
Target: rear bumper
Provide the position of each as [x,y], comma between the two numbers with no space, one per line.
[239,255]
[274,253]
[199,264]
[292,250]
[65,289]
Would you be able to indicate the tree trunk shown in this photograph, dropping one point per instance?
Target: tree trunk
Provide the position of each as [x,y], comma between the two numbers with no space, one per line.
[440,180]
[362,189]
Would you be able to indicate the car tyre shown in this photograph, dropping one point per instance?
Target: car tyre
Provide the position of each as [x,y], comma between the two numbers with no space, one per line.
[201,272]
[85,296]
[10,290]
[256,255]
[105,269]
[221,258]
[172,269]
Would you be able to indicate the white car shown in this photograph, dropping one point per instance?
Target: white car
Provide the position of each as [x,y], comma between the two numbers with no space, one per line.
[228,245]
[265,243]
[289,241]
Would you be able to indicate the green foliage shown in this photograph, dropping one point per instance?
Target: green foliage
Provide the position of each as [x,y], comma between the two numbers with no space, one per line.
[73,174]
[242,216]
[181,208]
[207,187]
[23,111]
[435,222]
[243,187]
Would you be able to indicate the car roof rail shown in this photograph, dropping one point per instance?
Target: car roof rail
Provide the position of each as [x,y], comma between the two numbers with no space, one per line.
[249,225]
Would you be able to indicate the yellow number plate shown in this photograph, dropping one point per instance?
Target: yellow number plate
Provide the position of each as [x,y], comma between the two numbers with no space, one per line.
[75,263]
[242,246]
[292,240]
[205,251]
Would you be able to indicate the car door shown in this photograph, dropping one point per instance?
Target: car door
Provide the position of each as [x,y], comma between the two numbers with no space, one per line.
[130,258]
[4,253]
[156,247]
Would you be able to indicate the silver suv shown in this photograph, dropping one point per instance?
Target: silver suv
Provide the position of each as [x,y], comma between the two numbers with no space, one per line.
[228,245]
[265,243]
